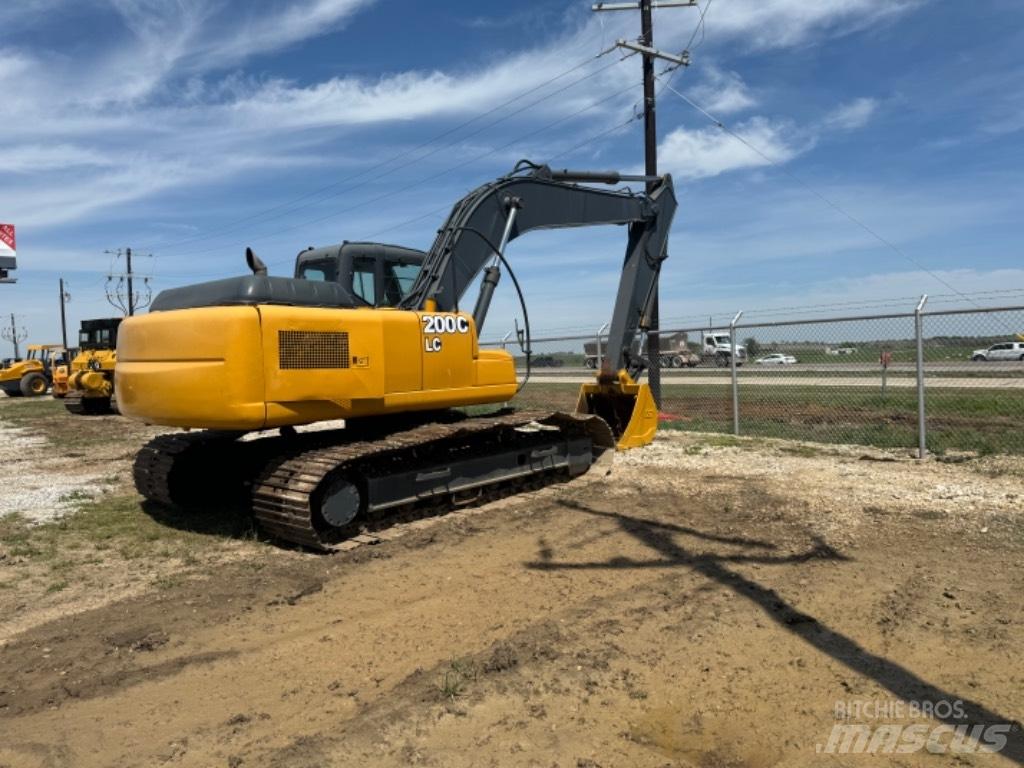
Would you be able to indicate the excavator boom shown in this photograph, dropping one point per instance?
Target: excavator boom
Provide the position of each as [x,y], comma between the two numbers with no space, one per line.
[546,199]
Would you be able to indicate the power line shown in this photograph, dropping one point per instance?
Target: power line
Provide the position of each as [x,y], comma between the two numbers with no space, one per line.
[699,28]
[291,205]
[122,294]
[835,206]
[439,174]
[438,211]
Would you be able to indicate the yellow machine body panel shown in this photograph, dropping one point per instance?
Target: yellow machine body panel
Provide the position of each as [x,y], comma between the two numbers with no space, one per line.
[92,372]
[94,360]
[18,369]
[261,366]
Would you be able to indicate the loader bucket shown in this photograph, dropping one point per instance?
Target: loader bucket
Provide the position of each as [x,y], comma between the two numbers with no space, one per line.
[628,408]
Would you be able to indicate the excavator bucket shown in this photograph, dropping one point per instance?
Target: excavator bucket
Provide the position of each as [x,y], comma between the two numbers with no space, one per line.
[628,408]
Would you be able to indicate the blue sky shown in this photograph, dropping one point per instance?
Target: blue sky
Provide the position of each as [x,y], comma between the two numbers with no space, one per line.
[191,129]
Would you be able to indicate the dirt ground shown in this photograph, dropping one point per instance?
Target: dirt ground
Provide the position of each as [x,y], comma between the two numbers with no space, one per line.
[711,602]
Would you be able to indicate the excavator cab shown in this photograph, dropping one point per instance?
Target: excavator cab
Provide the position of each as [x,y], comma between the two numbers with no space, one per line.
[100,334]
[379,275]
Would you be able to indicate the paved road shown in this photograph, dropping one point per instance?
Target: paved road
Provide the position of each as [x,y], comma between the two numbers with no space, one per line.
[964,368]
[958,382]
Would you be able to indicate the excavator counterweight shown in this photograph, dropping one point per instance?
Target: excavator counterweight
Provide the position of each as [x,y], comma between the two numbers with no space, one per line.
[376,335]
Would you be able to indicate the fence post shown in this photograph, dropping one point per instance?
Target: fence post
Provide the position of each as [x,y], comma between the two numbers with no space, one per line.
[735,381]
[599,332]
[922,441]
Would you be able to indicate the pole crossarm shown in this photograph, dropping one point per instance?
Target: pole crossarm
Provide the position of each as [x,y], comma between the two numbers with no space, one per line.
[635,6]
[682,60]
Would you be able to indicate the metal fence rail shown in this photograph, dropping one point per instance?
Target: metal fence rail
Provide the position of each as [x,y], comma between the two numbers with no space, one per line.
[892,380]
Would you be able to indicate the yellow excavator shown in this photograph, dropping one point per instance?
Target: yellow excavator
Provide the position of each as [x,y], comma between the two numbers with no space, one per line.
[32,376]
[89,389]
[378,335]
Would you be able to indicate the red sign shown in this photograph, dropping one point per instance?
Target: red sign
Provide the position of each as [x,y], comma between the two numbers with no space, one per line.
[7,244]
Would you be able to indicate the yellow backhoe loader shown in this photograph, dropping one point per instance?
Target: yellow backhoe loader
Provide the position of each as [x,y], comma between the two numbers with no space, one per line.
[90,382]
[32,376]
[398,359]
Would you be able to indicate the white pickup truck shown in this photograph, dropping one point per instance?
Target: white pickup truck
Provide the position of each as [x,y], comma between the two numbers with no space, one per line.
[1007,350]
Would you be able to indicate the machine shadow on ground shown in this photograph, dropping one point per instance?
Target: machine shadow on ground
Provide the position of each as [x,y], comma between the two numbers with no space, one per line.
[222,521]
[662,539]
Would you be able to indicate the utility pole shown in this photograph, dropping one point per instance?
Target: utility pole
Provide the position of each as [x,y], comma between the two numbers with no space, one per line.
[15,336]
[131,292]
[651,169]
[121,294]
[65,297]
[649,53]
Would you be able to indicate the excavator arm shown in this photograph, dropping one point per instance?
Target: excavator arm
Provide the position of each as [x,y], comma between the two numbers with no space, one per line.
[484,221]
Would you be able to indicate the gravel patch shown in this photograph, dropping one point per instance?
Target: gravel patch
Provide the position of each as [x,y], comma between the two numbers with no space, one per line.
[37,484]
[839,488]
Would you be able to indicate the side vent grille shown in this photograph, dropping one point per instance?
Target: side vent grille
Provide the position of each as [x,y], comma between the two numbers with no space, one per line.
[313,349]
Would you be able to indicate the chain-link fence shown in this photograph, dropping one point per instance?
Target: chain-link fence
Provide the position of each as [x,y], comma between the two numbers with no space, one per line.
[840,380]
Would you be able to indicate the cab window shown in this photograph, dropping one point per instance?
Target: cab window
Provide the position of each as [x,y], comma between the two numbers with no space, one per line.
[363,279]
[324,271]
[398,279]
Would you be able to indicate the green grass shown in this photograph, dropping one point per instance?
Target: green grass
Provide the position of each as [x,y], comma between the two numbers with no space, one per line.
[68,433]
[23,412]
[110,525]
[981,420]
[456,678]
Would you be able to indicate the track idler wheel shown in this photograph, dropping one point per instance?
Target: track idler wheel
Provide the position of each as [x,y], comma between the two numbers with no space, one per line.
[340,503]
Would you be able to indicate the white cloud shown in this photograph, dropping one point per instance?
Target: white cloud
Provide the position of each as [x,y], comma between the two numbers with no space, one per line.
[37,158]
[283,26]
[851,115]
[782,23]
[723,93]
[196,36]
[706,152]
[153,96]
